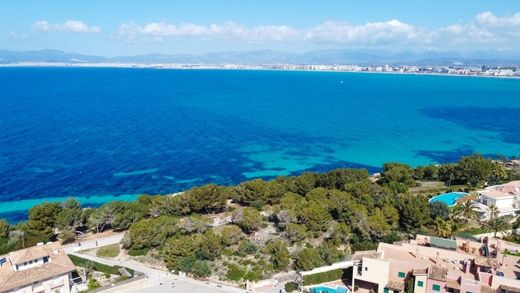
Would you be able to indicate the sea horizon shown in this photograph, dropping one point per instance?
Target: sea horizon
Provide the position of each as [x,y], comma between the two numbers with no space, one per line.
[259,67]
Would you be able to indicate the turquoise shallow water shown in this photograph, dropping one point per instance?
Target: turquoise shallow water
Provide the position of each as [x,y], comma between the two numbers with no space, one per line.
[449,198]
[102,133]
[325,289]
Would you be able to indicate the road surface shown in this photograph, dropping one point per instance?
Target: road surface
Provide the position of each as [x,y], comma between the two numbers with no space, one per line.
[114,238]
[159,280]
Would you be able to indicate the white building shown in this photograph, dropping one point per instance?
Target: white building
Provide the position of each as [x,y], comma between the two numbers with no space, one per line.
[44,268]
[505,197]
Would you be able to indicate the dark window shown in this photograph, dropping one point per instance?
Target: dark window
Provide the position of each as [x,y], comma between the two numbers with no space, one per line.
[420,283]
[45,259]
[436,288]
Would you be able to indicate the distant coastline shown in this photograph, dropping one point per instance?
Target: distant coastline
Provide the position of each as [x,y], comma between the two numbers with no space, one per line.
[464,71]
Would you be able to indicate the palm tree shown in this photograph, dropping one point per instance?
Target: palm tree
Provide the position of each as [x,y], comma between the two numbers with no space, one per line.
[466,212]
[443,228]
[493,211]
[500,224]
[497,223]
[455,225]
[516,223]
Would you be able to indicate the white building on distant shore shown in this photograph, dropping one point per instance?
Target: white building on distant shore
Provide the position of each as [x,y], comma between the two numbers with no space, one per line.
[42,268]
[505,197]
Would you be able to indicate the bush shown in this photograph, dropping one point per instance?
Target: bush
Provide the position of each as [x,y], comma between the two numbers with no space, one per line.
[201,269]
[322,277]
[291,286]
[247,248]
[6,245]
[235,273]
[92,284]
[108,251]
[254,275]
[138,252]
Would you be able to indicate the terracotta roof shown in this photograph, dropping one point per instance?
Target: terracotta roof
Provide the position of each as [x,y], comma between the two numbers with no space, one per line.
[59,264]
[28,254]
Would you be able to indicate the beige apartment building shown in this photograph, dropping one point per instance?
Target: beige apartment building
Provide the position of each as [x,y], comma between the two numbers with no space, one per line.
[43,268]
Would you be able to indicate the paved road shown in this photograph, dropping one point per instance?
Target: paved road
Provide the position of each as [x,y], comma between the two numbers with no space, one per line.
[91,243]
[173,285]
[159,280]
[156,281]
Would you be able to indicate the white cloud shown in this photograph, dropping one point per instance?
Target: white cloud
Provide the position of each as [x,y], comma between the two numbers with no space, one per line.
[369,33]
[229,30]
[486,29]
[335,32]
[73,26]
[488,19]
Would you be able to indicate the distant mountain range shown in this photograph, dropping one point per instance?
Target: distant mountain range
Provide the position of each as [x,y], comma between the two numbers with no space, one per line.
[325,57]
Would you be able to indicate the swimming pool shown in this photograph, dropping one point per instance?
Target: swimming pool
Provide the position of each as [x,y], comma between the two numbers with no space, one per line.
[449,198]
[325,289]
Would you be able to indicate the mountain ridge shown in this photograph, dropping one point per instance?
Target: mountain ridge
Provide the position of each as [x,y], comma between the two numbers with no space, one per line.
[325,57]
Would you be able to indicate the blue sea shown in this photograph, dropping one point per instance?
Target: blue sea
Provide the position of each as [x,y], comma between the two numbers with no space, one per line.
[100,134]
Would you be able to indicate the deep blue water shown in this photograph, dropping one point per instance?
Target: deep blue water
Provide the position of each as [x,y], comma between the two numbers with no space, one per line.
[100,133]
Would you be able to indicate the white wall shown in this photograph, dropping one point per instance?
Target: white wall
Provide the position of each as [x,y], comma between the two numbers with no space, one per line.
[61,283]
[416,288]
[374,271]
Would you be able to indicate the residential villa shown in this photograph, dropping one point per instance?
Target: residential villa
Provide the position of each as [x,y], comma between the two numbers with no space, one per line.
[435,265]
[41,268]
[505,197]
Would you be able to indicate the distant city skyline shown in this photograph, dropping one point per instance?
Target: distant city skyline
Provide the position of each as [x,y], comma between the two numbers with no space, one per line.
[111,28]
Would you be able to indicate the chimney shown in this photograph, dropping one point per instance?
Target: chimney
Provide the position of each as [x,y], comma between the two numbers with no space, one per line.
[437,257]
[417,252]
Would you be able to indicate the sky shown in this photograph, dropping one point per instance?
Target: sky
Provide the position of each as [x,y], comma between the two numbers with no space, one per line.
[128,27]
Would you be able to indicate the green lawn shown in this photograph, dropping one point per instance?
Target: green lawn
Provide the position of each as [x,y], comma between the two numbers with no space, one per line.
[108,251]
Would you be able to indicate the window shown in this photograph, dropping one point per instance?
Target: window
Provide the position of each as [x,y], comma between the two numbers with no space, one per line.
[468,292]
[401,275]
[420,283]
[436,287]
[386,290]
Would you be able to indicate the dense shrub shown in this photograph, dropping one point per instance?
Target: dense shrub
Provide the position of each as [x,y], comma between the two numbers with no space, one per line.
[291,286]
[322,277]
